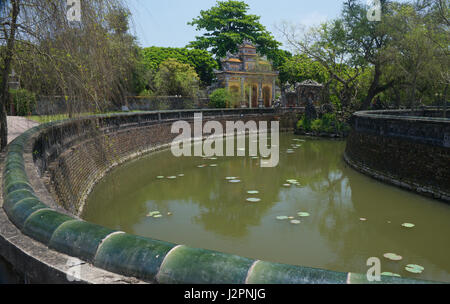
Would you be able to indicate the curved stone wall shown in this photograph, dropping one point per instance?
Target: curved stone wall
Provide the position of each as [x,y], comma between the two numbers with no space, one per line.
[408,149]
[41,230]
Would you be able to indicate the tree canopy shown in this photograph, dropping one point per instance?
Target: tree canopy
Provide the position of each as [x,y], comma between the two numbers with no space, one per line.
[226,25]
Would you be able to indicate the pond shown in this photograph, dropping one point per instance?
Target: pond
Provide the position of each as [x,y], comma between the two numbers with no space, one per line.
[311,210]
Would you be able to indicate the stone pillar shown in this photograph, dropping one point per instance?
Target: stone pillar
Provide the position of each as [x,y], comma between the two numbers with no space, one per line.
[260,95]
[243,92]
[273,91]
[250,96]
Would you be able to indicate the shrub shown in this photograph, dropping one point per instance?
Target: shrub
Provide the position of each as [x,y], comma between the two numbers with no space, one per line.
[328,123]
[23,100]
[220,98]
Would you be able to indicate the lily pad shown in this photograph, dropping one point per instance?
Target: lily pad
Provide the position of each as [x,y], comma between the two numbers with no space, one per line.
[153,213]
[392,256]
[413,268]
[282,217]
[295,222]
[408,225]
[391,274]
[303,214]
[253,200]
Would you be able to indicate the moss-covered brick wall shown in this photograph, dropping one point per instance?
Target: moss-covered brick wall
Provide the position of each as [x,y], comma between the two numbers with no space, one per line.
[409,151]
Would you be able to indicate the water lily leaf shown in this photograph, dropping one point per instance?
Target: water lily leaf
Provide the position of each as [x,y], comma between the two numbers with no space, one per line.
[408,225]
[282,217]
[253,200]
[391,274]
[295,222]
[303,214]
[413,268]
[392,256]
[153,213]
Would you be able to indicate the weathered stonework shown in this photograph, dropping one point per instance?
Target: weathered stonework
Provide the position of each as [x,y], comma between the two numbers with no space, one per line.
[403,149]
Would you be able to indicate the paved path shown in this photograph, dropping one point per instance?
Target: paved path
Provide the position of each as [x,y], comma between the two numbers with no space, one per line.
[17,125]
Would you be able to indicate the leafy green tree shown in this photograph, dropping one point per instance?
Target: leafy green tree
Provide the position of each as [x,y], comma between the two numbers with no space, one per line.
[201,60]
[176,78]
[226,25]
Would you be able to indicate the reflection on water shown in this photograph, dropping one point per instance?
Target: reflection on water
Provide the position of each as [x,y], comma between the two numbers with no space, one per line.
[209,212]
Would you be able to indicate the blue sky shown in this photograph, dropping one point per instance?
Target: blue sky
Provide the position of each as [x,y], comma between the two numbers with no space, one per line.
[164,22]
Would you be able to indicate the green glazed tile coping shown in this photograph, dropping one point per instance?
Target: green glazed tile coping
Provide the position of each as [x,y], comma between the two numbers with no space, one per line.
[16,196]
[41,225]
[185,265]
[18,186]
[132,255]
[274,273]
[79,238]
[20,212]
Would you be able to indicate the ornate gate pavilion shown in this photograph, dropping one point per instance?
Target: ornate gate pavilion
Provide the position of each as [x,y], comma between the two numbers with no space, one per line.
[249,77]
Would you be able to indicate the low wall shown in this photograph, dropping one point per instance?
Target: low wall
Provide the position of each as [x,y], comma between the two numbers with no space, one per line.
[40,232]
[408,149]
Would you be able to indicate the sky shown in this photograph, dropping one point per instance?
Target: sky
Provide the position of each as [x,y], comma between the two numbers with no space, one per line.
[164,22]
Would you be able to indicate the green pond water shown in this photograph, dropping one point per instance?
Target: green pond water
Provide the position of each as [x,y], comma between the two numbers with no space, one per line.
[203,209]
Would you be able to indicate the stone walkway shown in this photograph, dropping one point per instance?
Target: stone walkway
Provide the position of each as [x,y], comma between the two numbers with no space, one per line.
[17,125]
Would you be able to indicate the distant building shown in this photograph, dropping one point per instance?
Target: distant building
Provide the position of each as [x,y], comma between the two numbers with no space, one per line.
[249,77]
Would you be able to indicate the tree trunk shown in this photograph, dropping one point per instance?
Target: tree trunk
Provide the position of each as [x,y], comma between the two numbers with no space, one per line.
[4,93]
[373,90]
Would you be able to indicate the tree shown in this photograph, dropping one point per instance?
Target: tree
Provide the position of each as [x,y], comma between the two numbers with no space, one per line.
[89,62]
[226,25]
[201,60]
[176,78]
[326,46]
[366,41]
[9,14]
